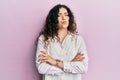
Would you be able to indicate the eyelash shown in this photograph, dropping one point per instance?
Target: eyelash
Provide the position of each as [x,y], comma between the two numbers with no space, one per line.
[65,15]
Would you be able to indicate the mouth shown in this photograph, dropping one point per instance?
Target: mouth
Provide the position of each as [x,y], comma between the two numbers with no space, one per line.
[64,22]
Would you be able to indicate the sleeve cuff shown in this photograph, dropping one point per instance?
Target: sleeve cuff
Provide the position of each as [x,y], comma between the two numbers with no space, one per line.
[67,66]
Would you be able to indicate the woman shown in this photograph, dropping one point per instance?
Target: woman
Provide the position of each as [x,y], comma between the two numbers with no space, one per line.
[61,53]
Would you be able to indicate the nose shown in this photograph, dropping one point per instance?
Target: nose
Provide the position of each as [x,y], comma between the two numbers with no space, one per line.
[63,17]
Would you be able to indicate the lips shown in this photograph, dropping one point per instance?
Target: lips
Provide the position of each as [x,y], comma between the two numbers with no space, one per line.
[64,22]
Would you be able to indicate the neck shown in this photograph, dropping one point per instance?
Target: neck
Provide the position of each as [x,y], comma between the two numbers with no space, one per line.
[62,32]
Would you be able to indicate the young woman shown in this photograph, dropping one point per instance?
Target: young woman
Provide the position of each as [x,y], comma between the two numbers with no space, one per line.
[61,53]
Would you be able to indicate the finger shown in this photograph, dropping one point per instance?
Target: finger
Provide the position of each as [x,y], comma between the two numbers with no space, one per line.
[82,59]
[43,52]
[39,59]
[44,58]
[43,55]
[40,55]
[79,53]
[42,61]
[78,56]
[82,54]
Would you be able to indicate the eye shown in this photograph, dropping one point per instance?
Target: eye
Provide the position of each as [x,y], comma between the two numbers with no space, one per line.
[59,15]
[66,14]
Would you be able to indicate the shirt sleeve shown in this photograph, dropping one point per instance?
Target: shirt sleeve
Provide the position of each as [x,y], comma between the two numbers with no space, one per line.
[45,68]
[78,66]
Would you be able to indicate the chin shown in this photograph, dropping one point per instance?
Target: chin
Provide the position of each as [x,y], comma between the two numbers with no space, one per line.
[65,26]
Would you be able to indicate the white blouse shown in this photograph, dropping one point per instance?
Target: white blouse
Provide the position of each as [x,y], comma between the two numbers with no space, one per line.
[65,51]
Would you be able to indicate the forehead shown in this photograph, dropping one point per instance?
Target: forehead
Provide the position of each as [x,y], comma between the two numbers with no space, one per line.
[63,10]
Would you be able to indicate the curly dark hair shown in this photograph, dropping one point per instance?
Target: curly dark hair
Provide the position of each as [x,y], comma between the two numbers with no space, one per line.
[50,28]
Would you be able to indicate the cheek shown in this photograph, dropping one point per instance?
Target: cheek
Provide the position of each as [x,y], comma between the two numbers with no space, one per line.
[59,19]
[67,19]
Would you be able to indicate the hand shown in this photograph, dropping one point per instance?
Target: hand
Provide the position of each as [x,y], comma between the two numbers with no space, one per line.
[79,57]
[44,57]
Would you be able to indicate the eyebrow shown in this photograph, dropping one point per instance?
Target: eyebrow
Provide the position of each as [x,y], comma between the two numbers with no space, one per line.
[64,13]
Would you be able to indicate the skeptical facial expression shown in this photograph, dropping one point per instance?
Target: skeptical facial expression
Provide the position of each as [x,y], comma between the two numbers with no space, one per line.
[63,18]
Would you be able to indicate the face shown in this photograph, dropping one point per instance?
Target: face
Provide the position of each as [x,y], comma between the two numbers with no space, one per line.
[63,18]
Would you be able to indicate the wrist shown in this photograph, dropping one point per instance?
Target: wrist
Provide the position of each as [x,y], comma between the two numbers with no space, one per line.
[57,62]
[53,62]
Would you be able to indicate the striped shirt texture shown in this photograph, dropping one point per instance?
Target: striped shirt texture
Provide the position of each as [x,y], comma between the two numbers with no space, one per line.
[65,51]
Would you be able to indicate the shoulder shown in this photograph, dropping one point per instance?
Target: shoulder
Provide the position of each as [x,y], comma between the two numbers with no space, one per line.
[77,37]
[41,37]
[79,40]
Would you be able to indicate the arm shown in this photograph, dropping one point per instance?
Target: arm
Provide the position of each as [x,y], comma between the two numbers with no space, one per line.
[45,68]
[75,66]
[78,66]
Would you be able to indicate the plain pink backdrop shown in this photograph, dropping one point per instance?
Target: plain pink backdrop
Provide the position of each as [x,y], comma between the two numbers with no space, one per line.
[98,22]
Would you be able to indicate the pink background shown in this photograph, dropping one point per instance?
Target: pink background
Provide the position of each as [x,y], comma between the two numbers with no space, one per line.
[21,20]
